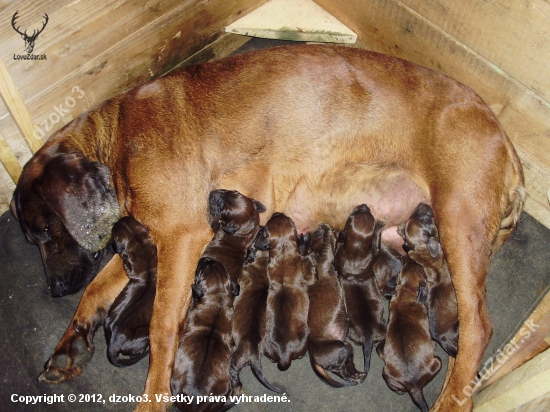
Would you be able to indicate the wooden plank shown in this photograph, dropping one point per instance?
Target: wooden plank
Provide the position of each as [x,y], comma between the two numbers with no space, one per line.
[297,20]
[536,405]
[17,108]
[393,28]
[8,159]
[513,35]
[77,32]
[145,54]
[525,384]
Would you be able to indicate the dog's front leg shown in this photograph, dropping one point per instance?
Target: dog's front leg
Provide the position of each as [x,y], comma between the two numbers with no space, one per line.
[76,347]
[178,254]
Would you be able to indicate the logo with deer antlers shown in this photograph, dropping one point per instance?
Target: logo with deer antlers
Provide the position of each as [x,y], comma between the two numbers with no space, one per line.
[29,40]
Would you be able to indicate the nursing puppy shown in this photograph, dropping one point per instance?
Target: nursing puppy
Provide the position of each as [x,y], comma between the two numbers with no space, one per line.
[422,243]
[127,323]
[353,261]
[328,320]
[408,350]
[249,316]
[202,359]
[289,275]
[235,220]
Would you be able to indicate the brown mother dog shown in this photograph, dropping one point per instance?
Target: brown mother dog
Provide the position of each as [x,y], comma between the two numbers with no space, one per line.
[311,131]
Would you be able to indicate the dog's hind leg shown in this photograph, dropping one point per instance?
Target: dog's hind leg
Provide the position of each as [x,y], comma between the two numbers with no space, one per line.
[76,348]
[474,214]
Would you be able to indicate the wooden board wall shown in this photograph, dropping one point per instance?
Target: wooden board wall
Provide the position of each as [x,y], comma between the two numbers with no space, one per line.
[96,50]
[499,48]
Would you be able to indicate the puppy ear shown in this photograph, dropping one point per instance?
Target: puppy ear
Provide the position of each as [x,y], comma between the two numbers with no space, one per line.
[235,288]
[377,237]
[422,293]
[261,241]
[80,193]
[433,247]
[259,206]
[401,230]
[229,228]
[196,291]
[342,236]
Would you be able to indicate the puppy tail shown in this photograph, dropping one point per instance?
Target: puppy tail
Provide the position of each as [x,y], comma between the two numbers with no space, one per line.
[367,351]
[324,376]
[418,398]
[256,367]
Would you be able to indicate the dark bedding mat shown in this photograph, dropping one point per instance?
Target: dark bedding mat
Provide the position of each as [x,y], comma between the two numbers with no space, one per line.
[31,323]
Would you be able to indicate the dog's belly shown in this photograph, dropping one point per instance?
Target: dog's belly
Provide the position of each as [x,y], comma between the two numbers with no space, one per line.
[391,194]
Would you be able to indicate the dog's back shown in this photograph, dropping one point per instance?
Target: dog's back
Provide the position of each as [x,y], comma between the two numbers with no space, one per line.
[289,275]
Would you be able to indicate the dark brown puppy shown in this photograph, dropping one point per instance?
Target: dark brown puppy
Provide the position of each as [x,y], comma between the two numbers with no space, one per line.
[359,249]
[235,220]
[127,323]
[202,359]
[249,316]
[289,275]
[422,243]
[408,350]
[328,319]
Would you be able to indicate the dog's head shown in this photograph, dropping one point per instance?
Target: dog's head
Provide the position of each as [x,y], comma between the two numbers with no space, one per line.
[66,206]
[211,278]
[132,242]
[233,212]
[420,232]
[413,279]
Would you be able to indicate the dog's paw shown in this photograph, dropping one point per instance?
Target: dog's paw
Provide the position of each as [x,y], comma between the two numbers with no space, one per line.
[71,354]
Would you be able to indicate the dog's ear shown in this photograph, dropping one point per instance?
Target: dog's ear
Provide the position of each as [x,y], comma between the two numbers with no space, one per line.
[80,193]
[229,228]
[422,293]
[261,241]
[342,236]
[235,288]
[259,206]
[433,247]
[401,230]
[197,291]
[377,237]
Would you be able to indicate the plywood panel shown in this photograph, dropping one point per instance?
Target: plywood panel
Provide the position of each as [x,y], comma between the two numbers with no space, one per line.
[513,35]
[391,27]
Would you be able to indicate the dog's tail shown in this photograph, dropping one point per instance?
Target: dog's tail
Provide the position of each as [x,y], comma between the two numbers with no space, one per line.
[418,398]
[368,343]
[256,367]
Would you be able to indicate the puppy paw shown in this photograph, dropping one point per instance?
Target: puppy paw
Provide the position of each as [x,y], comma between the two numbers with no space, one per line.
[71,354]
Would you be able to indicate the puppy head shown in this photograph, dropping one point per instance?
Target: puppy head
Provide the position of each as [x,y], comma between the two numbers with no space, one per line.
[233,212]
[66,206]
[211,278]
[362,228]
[132,242]
[281,229]
[413,280]
[420,232]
